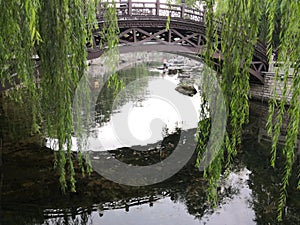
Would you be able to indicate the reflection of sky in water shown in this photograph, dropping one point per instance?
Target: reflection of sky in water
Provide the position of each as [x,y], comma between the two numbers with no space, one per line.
[146,120]
[142,120]
[234,210]
[144,123]
[145,116]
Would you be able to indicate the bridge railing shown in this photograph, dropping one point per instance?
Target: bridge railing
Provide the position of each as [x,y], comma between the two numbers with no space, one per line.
[155,8]
[138,10]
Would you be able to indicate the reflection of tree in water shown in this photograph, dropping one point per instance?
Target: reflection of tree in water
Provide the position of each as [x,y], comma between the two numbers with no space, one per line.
[264,182]
[193,195]
[187,187]
[149,154]
[13,124]
[99,195]
[181,188]
[133,91]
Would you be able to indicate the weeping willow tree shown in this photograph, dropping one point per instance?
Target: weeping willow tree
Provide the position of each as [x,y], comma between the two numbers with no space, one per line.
[242,23]
[58,30]
[237,39]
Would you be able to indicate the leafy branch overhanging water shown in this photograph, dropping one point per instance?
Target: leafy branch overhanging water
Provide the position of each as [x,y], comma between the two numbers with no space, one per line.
[242,24]
[57,30]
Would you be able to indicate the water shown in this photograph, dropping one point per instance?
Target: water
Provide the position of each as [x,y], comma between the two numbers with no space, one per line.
[30,190]
[167,210]
[145,109]
[142,121]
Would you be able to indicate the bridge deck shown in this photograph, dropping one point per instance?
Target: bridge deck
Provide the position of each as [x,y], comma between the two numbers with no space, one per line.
[143,28]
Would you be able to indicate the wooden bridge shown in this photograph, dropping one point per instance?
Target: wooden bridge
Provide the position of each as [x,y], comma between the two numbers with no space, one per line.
[143,28]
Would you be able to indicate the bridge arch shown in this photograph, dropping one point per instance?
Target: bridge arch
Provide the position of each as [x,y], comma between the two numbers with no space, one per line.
[143,28]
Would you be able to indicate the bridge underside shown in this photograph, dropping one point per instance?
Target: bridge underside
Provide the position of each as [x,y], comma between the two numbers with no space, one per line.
[150,34]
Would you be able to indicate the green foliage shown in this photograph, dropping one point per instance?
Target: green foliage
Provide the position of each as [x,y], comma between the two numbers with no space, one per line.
[110,30]
[212,173]
[63,63]
[237,45]
[110,40]
[269,27]
[242,22]
[289,53]
[57,30]
[91,20]
[168,23]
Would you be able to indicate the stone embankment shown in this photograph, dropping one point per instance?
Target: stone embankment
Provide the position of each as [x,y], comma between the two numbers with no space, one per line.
[266,91]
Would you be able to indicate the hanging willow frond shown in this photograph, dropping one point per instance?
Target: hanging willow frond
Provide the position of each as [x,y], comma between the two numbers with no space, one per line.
[289,54]
[63,63]
[57,30]
[241,22]
[237,42]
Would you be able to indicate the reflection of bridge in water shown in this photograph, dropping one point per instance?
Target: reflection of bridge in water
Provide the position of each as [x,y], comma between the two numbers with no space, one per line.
[101,208]
[143,28]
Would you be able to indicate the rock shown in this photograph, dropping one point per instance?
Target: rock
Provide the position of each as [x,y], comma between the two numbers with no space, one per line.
[184,76]
[186,90]
[174,70]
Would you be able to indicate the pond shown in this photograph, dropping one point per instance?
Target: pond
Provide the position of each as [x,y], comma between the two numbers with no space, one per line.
[141,125]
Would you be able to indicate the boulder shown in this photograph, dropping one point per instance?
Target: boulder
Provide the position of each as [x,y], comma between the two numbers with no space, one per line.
[188,90]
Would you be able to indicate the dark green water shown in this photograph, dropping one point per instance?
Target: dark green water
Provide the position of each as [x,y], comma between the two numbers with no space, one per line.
[30,193]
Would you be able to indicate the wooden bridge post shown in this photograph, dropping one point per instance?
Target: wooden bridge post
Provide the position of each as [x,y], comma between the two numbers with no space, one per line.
[129,7]
[204,13]
[157,7]
[182,9]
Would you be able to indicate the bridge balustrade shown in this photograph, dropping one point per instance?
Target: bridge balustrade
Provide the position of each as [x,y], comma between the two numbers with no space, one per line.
[145,22]
[155,8]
